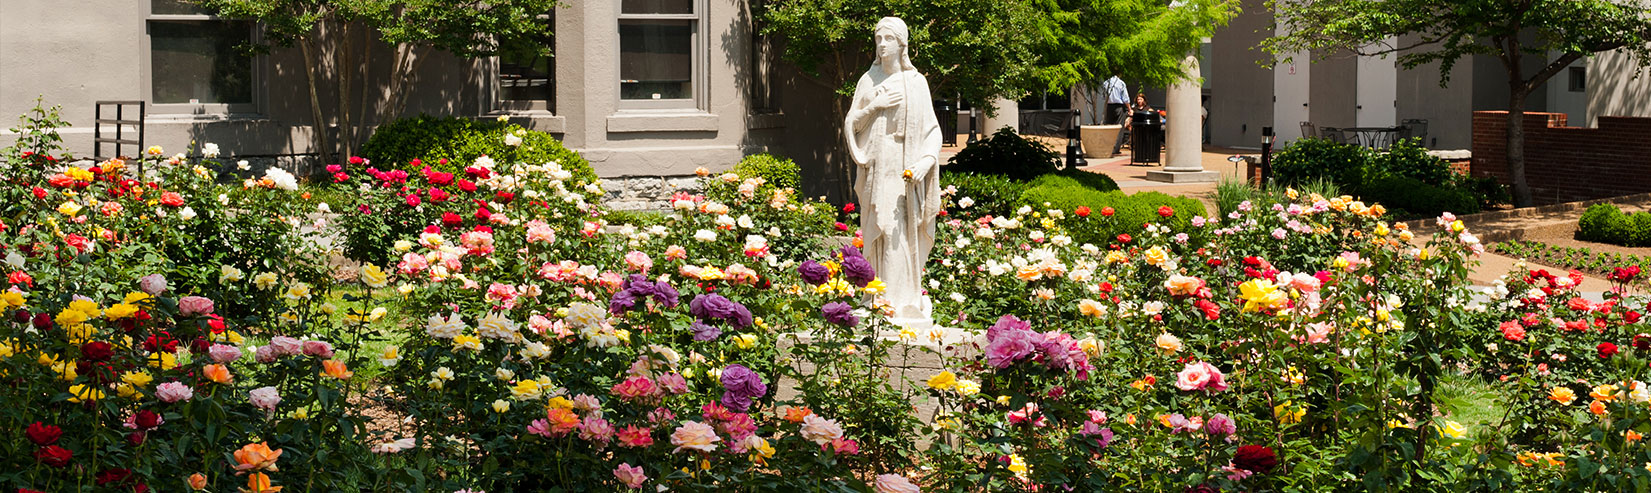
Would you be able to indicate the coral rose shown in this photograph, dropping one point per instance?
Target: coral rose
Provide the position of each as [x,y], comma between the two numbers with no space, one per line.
[256,457]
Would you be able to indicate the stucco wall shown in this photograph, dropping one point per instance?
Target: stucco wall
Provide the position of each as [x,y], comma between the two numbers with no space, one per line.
[1333,90]
[1614,89]
[1447,109]
[1240,88]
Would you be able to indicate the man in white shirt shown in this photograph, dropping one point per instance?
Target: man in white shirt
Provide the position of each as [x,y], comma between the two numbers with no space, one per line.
[1117,100]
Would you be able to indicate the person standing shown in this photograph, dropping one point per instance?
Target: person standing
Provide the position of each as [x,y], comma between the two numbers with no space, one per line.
[1117,100]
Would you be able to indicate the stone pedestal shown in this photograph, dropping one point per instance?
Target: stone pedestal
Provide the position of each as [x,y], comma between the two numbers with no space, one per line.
[1183,160]
[1008,115]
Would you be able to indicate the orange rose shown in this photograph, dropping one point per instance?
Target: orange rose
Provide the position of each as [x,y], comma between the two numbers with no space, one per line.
[1597,407]
[336,369]
[217,373]
[257,456]
[1633,436]
[259,483]
[1029,273]
[196,482]
[796,414]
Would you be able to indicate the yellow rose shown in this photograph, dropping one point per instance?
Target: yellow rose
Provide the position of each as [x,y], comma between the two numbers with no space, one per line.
[69,209]
[374,277]
[164,361]
[11,299]
[746,341]
[1453,429]
[967,388]
[943,381]
[120,311]
[84,393]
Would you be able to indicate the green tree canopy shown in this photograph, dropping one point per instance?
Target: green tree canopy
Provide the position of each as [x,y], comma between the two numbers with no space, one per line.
[1445,31]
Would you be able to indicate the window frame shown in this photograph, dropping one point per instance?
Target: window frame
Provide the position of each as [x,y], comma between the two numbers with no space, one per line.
[147,78]
[547,105]
[699,70]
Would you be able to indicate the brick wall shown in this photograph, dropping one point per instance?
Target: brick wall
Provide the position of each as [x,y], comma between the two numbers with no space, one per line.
[1564,164]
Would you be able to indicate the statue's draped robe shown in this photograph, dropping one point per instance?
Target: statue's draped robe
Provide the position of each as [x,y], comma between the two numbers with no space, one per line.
[897,216]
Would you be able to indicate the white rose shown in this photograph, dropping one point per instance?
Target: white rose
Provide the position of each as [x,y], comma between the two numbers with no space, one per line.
[966,202]
[705,235]
[209,150]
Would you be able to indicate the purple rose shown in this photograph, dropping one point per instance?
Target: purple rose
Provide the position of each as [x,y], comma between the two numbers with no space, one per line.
[858,271]
[1011,346]
[1006,323]
[740,380]
[814,273]
[840,313]
[737,403]
[850,251]
[742,317]
[708,306]
[1105,437]
[622,301]
[1220,426]
[703,332]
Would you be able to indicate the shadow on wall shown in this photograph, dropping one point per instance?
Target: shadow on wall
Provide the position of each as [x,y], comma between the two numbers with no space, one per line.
[1616,88]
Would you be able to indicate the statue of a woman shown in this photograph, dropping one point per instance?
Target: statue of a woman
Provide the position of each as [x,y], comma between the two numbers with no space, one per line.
[894,137]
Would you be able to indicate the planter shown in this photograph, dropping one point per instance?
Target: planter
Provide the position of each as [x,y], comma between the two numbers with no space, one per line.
[1099,139]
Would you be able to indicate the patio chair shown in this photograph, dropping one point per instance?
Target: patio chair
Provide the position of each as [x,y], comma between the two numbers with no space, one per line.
[1332,134]
[1308,130]
[1414,127]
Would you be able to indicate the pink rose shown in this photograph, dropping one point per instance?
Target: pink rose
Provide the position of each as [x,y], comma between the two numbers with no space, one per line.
[285,346]
[822,431]
[638,261]
[412,263]
[673,383]
[265,354]
[1192,377]
[265,398]
[318,348]
[153,284]
[190,306]
[1010,346]
[174,392]
[223,353]
[895,483]
[632,476]
[694,435]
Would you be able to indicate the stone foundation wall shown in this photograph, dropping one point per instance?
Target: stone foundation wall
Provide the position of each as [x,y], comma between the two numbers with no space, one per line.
[632,193]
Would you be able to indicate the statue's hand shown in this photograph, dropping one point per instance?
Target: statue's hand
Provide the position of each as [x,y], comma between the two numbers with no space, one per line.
[887,99]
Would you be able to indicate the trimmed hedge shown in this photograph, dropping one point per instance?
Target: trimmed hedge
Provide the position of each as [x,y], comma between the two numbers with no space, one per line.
[1419,198]
[1606,223]
[776,171]
[461,140]
[1129,211]
[1005,153]
[992,194]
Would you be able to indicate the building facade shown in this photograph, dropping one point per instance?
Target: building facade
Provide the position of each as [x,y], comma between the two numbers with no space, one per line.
[639,87]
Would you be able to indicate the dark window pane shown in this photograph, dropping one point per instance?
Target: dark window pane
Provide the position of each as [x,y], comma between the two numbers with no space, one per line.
[175,7]
[656,6]
[525,70]
[197,62]
[656,59]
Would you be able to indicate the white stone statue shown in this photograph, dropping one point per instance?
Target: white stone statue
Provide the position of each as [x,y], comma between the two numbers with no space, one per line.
[894,137]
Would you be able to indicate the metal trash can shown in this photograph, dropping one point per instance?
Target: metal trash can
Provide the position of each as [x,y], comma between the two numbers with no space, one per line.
[1146,137]
[947,114]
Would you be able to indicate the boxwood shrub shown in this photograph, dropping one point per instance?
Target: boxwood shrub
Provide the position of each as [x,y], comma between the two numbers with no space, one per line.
[1130,212]
[1419,199]
[461,140]
[1606,223]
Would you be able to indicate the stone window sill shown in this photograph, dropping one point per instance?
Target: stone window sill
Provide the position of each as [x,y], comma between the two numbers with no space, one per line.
[662,121]
[537,120]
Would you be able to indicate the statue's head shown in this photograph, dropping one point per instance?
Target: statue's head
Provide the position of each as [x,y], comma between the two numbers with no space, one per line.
[892,37]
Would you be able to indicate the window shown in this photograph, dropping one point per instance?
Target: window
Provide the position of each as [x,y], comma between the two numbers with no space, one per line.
[660,65]
[195,59]
[527,73]
[1579,79]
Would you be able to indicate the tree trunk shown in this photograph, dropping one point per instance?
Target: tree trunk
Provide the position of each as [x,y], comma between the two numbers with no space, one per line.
[1516,148]
[322,146]
[343,66]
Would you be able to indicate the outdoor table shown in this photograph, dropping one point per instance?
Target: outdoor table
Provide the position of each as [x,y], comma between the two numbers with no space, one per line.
[1374,137]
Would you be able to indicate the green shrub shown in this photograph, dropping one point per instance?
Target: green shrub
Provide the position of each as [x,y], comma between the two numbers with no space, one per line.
[1419,198]
[1130,212]
[1309,159]
[461,140]
[778,171]
[1091,180]
[1605,223]
[1007,154]
[1409,159]
[991,194]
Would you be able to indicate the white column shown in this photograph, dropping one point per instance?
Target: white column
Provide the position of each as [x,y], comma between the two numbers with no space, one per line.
[1183,162]
[1182,149]
[1008,115]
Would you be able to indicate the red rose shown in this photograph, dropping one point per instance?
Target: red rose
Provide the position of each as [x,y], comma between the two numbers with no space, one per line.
[136,438]
[340,177]
[357,160]
[1107,211]
[451,220]
[21,316]
[171,199]
[412,200]
[1642,342]
[1512,331]
[39,193]
[1606,350]
[54,456]
[1165,211]
[43,322]
[849,207]
[147,419]
[1082,211]
[79,243]
[113,476]
[1124,238]
[1211,310]
[43,434]
[20,277]
[842,227]
[1631,317]
[162,342]
[1255,458]
[504,197]
[97,351]
[467,185]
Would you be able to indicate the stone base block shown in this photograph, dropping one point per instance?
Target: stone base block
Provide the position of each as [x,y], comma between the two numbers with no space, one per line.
[1184,176]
